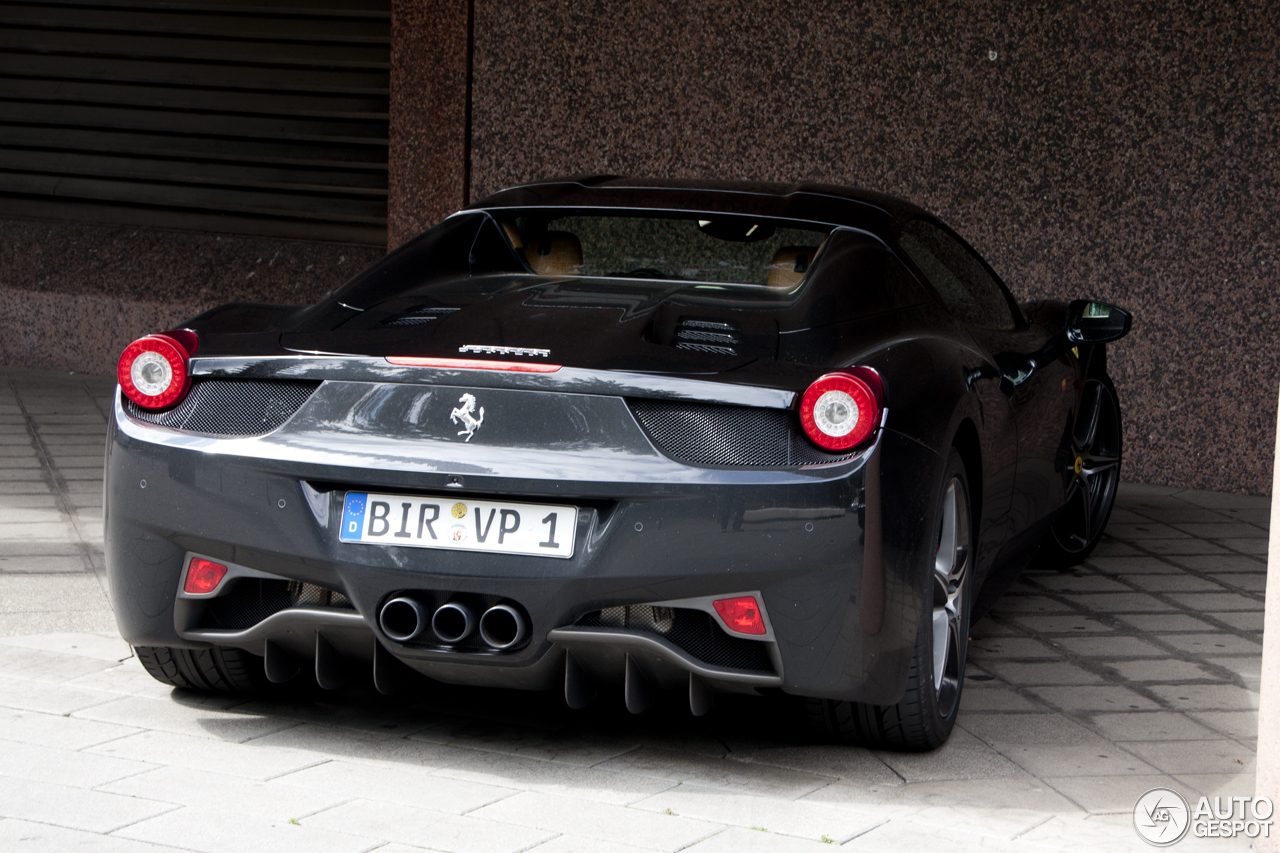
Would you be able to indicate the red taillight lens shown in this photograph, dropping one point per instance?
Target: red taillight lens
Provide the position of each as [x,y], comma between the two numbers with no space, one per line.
[838,411]
[153,372]
[203,576]
[741,614]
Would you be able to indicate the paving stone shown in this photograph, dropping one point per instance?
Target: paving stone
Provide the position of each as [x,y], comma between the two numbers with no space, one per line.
[716,772]
[214,756]
[571,748]
[1081,583]
[1247,669]
[1193,756]
[1150,725]
[1094,698]
[981,697]
[1111,646]
[29,695]
[1042,672]
[1236,724]
[1183,547]
[738,840]
[57,730]
[559,844]
[1024,604]
[1248,581]
[1216,601]
[1120,602]
[598,820]
[274,800]
[1206,697]
[1175,583]
[209,831]
[835,761]
[1012,648]
[1227,530]
[43,565]
[73,808]
[1001,729]
[1223,564]
[1150,530]
[188,713]
[1099,758]
[29,837]
[1112,794]
[1163,671]
[437,831]
[390,783]
[802,818]
[64,766]
[617,787]
[1212,644]
[1064,624]
[1163,622]
[1246,546]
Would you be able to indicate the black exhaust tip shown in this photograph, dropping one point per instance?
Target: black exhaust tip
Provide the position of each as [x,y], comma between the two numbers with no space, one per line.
[402,618]
[502,626]
[453,623]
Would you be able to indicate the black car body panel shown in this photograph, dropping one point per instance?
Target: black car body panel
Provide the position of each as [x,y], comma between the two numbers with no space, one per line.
[835,544]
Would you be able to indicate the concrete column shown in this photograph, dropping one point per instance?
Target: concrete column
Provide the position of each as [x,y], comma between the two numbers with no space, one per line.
[1268,778]
[429,117]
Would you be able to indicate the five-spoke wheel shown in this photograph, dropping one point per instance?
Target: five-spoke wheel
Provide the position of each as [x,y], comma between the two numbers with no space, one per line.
[1093,472]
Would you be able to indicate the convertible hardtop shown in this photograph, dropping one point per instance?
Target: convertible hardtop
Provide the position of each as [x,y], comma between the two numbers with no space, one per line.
[828,204]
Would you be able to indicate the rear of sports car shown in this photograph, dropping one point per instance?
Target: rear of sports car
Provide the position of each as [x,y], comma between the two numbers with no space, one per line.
[478,481]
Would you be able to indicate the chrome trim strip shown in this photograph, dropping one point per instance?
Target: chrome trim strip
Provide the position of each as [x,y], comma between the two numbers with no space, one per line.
[577,380]
[628,640]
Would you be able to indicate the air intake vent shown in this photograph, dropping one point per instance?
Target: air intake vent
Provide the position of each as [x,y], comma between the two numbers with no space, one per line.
[419,316]
[706,336]
[704,434]
[231,407]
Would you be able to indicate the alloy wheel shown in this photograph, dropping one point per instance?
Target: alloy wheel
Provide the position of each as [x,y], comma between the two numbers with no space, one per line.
[951,570]
[1094,470]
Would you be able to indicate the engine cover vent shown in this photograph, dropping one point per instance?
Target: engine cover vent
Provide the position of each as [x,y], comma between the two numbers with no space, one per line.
[711,336]
[418,316]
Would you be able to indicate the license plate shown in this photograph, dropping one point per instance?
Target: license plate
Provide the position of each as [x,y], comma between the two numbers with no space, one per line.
[424,521]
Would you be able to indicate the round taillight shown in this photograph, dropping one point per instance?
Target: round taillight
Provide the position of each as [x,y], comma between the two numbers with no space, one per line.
[153,372]
[838,411]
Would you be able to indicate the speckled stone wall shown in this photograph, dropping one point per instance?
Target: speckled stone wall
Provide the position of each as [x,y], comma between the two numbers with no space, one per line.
[1123,150]
[429,61]
[73,295]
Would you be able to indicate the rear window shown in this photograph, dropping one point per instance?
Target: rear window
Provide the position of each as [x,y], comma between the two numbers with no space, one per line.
[702,248]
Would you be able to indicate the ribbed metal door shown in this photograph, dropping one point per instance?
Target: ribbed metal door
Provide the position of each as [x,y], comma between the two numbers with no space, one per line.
[224,115]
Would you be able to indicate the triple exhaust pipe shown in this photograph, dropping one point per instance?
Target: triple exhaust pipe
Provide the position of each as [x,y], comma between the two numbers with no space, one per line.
[501,626]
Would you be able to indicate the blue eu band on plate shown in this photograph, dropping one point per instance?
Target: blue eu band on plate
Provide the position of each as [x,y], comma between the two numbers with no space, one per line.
[424,521]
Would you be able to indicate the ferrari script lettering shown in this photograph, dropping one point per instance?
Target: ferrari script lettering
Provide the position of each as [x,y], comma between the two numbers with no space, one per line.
[464,414]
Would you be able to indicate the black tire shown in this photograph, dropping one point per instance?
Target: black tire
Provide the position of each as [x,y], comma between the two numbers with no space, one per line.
[217,669]
[1096,451]
[923,719]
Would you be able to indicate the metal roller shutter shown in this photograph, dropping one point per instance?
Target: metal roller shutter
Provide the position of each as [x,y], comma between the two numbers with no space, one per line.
[237,116]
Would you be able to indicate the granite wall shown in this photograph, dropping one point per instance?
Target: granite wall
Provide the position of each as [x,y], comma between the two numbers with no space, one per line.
[1123,150]
[73,295]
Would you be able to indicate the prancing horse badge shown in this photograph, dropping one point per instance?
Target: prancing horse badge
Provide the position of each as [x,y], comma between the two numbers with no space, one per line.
[465,415]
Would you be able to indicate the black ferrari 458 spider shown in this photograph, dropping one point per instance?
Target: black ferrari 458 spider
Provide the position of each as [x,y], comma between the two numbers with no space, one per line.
[603,433]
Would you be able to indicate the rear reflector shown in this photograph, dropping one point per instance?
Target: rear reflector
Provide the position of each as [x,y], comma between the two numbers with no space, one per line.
[472,364]
[741,614]
[203,576]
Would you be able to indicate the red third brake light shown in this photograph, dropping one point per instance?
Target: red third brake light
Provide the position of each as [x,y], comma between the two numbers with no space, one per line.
[153,372]
[839,411]
[203,576]
[741,614]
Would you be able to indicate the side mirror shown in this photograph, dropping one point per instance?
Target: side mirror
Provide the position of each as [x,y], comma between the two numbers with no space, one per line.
[1096,322]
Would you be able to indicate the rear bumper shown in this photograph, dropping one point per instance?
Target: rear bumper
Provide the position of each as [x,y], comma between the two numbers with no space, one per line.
[837,584]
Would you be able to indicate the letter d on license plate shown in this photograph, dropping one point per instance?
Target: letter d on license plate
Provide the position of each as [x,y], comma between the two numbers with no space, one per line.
[425,521]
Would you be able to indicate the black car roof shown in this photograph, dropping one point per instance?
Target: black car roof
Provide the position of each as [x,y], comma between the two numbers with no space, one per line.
[812,202]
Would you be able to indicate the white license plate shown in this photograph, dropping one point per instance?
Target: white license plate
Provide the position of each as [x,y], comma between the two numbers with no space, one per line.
[425,521]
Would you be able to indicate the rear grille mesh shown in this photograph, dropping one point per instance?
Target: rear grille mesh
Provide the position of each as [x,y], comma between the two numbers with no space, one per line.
[231,407]
[694,631]
[729,436]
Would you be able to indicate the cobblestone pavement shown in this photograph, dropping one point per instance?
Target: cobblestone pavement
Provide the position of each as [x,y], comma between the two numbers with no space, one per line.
[1086,688]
